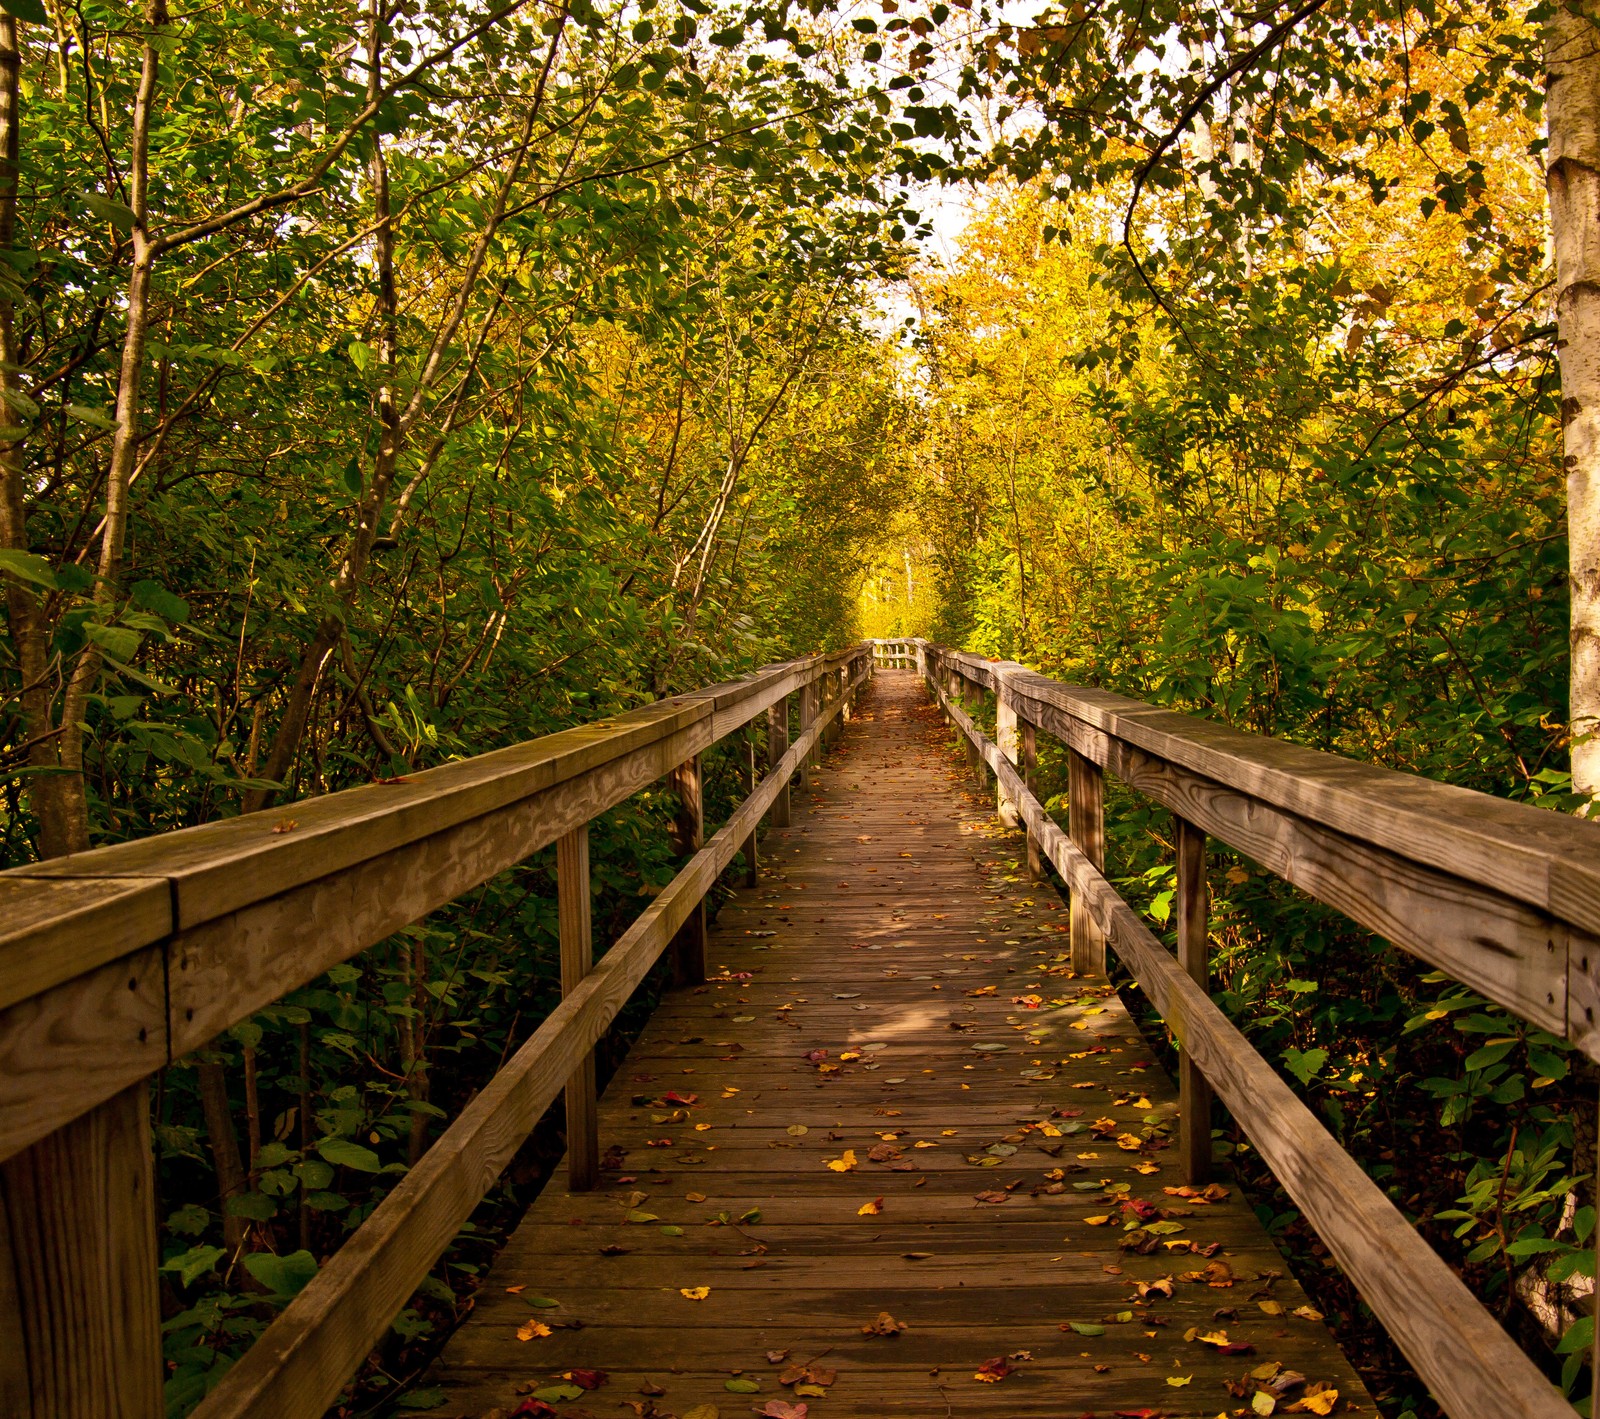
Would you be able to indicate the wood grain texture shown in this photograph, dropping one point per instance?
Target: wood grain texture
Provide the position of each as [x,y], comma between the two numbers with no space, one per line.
[855,960]
[302,1361]
[777,747]
[79,1312]
[1470,1364]
[688,835]
[52,930]
[573,901]
[1500,942]
[1086,812]
[1192,909]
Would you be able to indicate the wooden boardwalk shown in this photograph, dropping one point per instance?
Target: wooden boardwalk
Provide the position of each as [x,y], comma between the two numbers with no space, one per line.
[892,1109]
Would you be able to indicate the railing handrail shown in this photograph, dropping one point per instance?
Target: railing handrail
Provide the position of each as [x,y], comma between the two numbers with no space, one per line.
[1501,895]
[1461,1352]
[162,936]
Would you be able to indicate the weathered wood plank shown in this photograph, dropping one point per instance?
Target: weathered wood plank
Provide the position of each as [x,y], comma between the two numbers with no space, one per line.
[79,1311]
[573,901]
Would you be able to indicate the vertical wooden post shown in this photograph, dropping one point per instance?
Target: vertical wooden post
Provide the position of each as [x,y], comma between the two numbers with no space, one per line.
[971,698]
[808,717]
[1086,822]
[688,833]
[1030,774]
[80,1314]
[577,958]
[777,747]
[1194,1094]
[1009,741]
[752,863]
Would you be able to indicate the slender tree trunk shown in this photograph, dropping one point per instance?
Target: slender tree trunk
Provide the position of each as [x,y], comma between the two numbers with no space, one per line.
[224,1139]
[1572,62]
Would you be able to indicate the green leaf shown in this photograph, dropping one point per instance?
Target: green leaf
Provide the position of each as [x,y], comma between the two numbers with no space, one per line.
[282,1275]
[119,214]
[552,1393]
[1084,1327]
[741,1386]
[26,566]
[30,10]
[417,1399]
[191,1265]
[342,1153]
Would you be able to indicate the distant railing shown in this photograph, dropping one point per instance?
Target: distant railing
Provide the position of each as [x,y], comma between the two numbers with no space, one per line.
[1502,896]
[117,961]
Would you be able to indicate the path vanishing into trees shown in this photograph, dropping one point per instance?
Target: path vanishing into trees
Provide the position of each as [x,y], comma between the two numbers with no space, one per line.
[880,1162]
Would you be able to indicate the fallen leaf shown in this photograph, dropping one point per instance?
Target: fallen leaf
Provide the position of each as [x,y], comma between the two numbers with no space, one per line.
[532,1330]
[1322,1402]
[1084,1327]
[1262,1403]
[585,1379]
[844,1164]
[885,1324]
[1306,1313]
[694,1293]
[993,1371]
[782,1409]
[1179,1381]
[703,1411]
[870,1209]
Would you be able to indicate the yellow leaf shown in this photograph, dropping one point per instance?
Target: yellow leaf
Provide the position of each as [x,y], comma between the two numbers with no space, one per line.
[1320,1403]
[1179,1381]
[1097,1221]
[1129,1143]
[844,1164]
[1049,1130]
[532,1330]
[1271,1308]
[694,1293]
[1262,1403]
[701,1127]
[1306,1313]
[1147,1168]
[870,1209]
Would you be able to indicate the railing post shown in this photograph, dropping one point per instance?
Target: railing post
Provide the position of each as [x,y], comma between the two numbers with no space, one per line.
[971,698]
[688,833]
[80,1313]
[752,862]
[577,958]
[777,747]
[1030,773]
[808,717]
[1087,826]
[1194,1094]
[1009,741]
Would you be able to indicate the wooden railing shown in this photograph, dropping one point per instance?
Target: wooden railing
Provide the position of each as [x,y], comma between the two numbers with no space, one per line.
[1504,897]
[117,961]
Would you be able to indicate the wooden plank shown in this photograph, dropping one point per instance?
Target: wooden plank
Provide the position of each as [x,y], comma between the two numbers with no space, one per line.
[688,835]
[1546,860]
[1086,814]
[1009,737]
[80,1312]
[53,930]
[751,851]
[1194,955]
[777,747]
[1470,1364]
[1030,770]
[302,1361]
[79,1044]
[1513,953]
[573,894]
